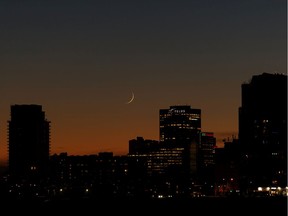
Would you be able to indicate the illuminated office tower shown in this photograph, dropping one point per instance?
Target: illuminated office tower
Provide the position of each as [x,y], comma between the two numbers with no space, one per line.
[153,157]
[180,124]
[180,127]
[29,142]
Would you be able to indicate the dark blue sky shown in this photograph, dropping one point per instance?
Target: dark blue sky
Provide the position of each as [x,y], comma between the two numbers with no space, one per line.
[82,59]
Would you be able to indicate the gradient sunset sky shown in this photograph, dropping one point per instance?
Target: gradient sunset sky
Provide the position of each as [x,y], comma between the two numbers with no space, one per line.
[81,60]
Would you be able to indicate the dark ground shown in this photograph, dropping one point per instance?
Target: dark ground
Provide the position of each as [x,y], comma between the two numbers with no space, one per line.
[276,206]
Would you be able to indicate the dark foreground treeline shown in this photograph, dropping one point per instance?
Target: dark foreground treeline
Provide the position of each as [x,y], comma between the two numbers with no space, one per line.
[221,206]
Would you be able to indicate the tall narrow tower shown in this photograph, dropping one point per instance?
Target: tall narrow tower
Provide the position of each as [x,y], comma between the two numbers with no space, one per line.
[29,142]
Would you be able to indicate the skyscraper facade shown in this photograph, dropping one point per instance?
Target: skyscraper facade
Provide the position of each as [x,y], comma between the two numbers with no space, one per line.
[29,142]
[263,131]
[180,127]
[179,124]
[206,162]
[155,156]
[206,150]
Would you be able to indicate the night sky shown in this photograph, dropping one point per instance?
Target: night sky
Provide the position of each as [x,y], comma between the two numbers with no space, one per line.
[81,60]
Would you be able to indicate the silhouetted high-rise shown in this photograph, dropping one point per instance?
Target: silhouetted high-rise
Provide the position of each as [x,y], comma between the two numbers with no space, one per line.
[29,142]
[206,150]
[263,131]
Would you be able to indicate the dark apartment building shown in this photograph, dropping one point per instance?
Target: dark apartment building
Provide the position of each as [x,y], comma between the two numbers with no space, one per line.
[99,176]
[263,131]
[227,168]
[29,142]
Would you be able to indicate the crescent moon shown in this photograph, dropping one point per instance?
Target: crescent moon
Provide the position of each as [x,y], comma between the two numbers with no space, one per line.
[132,98]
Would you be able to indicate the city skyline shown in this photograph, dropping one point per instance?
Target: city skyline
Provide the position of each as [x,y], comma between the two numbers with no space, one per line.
[183,165]
[82,61]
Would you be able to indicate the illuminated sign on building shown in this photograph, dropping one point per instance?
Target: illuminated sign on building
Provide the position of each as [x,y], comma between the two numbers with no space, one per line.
[176,111]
